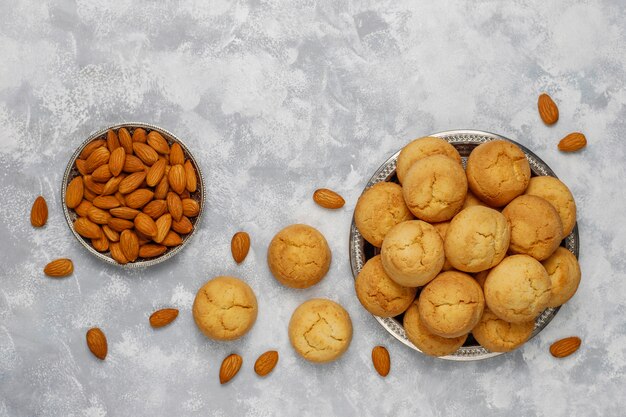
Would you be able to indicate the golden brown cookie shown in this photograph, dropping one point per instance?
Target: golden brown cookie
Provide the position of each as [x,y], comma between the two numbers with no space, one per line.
[420,149]
[557,194]
[412,253]
[320,330]
[472,200]
[380,208]
[517,289]
[497,172]
[564,272]
[225,308]
[379,294]
[536,228]
[498,335]
[477,239]
[435,188]
[451,304]
[424,340]
[442,228]
[299,256]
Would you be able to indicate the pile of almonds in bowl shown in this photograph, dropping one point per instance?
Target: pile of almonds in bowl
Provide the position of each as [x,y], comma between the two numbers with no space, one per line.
[133,194]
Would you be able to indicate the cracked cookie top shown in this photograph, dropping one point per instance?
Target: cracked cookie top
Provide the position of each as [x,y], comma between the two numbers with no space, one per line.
[225,308]
[320,330]
[379,209]
[412,253]
[299,256]
[557,194]
[564,271]
[477,239]
[379,294]
[420,149]
[451,304]
[497,172]
[518,289]
[435,188]
[498,335]
[536,228]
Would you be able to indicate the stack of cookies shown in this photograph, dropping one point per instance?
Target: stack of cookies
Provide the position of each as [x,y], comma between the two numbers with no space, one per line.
[462,251]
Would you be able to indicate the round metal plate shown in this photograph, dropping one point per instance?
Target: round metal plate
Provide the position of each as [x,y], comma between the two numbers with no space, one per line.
[360,250]
[198,195]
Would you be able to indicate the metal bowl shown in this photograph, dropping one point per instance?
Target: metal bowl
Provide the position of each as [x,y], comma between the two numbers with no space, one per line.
[198,195]
[360,250]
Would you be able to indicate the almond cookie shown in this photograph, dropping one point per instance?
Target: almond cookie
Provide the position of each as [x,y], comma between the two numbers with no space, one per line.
[225,308]
[497,335]
[424,340]
[451,304]
[379,209]
[420,149]
[442,229]
[299,256]
[379,294]
[320,330]
[412,253]
[518,289]
[564,272]
[557,194]
[435,188]
[497,172]
[477,239]
[536,228]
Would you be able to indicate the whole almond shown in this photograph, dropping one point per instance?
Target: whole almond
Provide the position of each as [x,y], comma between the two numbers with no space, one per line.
[174,206]
[106,202]
[155,208]
[191,208]
[117,254]
[112,185]
[90,147]
[177,178]
[129,244]
[239,246]
[117,160]
[102,174]
[548,110]
[133,164]
[132,182]
[190,177]
[98,157]
[573,142]
[381,361]
[59,268]
[74,192]
[145,225]
[102,244]
[156,172]
[163,224]
[172,239]
[158,142]
[111,234]
[163,317]
[90,184]
[83,208]
[120,198]
[145,152]
[328,198]
[139,135]
[97,343]
[177,156]
[266,363]
[161,190]
[119,225]
[98,215]
[88,194]
[81,166]
[112,141]
[183,226]
[230,367]
[139,198]
[126,141]
[565,347]
[39,212]
[151,250]
[86,228]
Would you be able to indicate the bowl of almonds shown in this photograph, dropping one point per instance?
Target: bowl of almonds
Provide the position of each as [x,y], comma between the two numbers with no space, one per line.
[133,194]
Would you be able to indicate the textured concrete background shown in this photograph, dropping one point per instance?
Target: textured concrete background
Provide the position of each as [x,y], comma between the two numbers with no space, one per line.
[277,100]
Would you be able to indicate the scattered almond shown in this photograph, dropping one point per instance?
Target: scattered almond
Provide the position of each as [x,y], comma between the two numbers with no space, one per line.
[163,317]
[230,367]
[59,268]
[97,343]
[39,212]
[573,142]
[381,361]
[548,110]
[565,347]
[328,198]
[239,246]
[266,363]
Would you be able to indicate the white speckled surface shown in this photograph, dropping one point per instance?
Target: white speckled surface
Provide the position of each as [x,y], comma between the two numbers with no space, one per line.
[277,100]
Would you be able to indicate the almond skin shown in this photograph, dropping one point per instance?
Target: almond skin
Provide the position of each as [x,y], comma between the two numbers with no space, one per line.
[106,202]
[139,198]
[119,225]
[155,208]
[102,244]
[172,239]
[573,142]
[565,347]
[96,187]
[183,226]
[90,147]
[230,367]
[139,135]
[133,164]
[129,244]
[120,198]
[191,208]
[266,363]
[145,225]
[86,228]
[381,361]
[158,143]
[163,224]
[126,141]
[98,157]
[239,246]
[117,254]
[81,166]
[89,195]
[548,110]
[117,160]
[112,185]
[39,212]
[97,343]
[161,190]
[59,268]
[174,206]
[98,216]
[163,317]
[151,250]
[74,192]
[156,172]
[328,199]
[177,156]
[132,182]
[190,177]
[102,174]
[177,178]
[112,141]
[83,208]
[146,153]
[111,234]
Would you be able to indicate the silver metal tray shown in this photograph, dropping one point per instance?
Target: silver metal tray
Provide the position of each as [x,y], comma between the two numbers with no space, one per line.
[198,195]
[360,250]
